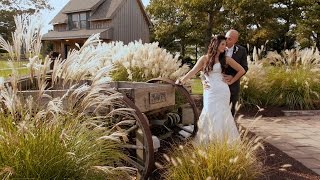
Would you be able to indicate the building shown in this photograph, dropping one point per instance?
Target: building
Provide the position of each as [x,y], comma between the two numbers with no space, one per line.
[115,20]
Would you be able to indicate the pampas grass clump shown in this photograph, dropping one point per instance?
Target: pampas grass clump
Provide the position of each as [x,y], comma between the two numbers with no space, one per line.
[215,160]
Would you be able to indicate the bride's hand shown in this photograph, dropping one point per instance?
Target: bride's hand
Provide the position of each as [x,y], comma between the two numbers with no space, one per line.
[205,84]
[178,82]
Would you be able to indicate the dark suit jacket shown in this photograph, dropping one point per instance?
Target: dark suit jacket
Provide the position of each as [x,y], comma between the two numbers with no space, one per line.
[239,55]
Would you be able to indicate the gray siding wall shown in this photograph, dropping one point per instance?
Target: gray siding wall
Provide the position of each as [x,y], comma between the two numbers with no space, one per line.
[60,27]
[103,24]
[107,35]
[129,23]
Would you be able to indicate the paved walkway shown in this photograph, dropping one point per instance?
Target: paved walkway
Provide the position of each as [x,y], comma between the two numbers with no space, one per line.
[298,137]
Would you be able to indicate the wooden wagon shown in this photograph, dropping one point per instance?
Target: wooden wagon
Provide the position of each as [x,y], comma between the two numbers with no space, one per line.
[158,116]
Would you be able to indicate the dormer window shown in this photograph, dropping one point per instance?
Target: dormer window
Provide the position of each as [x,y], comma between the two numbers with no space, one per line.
[75,21]
[83,20]
[78,21]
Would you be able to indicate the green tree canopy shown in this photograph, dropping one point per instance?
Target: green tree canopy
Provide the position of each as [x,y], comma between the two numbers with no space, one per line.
[281,23]
[9,8]
[308,27]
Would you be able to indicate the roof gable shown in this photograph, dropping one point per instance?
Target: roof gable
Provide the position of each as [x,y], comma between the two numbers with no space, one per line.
[144,12]
[106,9]
[110,7]
[81,5]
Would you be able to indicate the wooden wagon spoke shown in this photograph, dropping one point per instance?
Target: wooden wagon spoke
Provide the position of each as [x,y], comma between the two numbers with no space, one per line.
[142,123]
[122,111]
[125,138]
[126,122]
[133,128]
[135,164]
[131,146]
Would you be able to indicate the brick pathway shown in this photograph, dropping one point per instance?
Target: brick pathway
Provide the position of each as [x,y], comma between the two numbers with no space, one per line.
[298,136]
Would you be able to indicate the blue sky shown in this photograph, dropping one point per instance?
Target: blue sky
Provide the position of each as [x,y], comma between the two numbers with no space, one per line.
[58,5]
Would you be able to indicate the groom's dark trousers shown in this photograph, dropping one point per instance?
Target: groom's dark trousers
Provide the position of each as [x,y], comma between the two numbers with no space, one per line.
[240,55]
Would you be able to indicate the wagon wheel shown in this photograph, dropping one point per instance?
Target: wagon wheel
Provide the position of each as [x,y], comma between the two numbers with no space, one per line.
[138,144]
[189,99]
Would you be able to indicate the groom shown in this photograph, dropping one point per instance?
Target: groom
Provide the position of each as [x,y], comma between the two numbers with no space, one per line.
[239,54]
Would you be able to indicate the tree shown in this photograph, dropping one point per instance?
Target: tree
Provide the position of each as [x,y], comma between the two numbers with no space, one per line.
[209,10]
[246,16]
[9,8]
[171,24]
[7,24]
[266,20]
[191,22]
[279,22]
[25,4]
[288,13]
[308,28]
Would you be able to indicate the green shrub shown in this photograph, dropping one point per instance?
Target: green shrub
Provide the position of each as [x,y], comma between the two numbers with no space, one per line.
[293,88]
[253,90]
[252,94]
[289,79]
[64,149]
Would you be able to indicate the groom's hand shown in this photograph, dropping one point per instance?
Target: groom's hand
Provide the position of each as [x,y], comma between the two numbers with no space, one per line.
[227,78]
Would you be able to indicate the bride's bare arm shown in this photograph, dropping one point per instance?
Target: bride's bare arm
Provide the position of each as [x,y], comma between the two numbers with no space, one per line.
[199,65]
[236,66]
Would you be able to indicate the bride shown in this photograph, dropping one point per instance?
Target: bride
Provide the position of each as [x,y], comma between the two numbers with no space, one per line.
[216,121]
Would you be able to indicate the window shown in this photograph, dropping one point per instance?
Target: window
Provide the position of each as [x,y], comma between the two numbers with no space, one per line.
[79,21]
[75,21]
[83,20]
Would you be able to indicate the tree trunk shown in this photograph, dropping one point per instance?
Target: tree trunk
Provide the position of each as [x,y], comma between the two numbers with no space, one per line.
[209,30]
[316,39]
[318,43]
[285,42]
[183,49]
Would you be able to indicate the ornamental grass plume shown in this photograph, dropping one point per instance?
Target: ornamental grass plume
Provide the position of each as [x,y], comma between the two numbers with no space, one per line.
[54,128]
[215,160]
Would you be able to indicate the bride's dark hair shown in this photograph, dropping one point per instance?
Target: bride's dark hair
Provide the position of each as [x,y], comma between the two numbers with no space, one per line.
[212,51]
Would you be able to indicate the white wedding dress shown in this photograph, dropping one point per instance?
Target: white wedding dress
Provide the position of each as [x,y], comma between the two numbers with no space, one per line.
[216,122]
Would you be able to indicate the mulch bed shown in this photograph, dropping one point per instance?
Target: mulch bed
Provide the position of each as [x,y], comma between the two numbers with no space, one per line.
[266,112]
[250,112]
[273,164]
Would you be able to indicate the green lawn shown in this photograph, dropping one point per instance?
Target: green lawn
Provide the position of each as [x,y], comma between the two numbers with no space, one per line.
[4,64]
[196,86]
[5,70]
[6,73]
